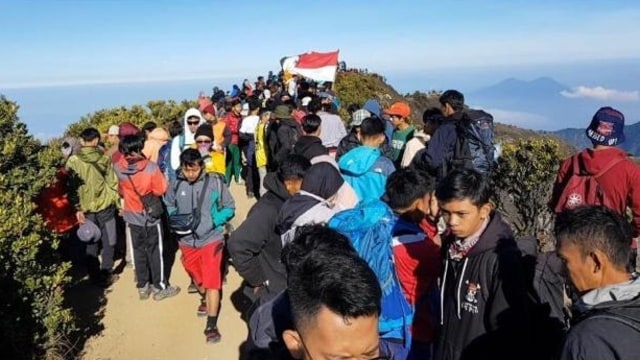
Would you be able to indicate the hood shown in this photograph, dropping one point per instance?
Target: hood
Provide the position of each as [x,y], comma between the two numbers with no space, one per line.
[310,147]
[498,235]
[74,143]
[289,122]
[294,208]
[90,154]
[273,184]
[609,296]
[188,135]
[373,107]
[159,134]
[130,169]
[596,160]
[359,160]
[323,180]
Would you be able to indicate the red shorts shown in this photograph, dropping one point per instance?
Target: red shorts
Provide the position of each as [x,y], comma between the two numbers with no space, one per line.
[204,264]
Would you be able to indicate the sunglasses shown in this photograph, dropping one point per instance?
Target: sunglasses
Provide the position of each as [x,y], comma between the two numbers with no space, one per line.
[203,141]
[193,122]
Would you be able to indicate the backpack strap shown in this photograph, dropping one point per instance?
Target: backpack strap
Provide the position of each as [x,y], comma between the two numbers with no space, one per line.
[626,320]
[608,167]
[204,190]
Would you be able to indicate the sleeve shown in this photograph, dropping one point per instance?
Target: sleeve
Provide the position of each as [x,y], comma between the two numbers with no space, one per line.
[226,134]
[634,197]
[175,152]
[170,197]
[159,183]
[582,345]
[285,145]
[412,148]
[558,185]
[439,146]
[73,183]
[247,241]
[221,211]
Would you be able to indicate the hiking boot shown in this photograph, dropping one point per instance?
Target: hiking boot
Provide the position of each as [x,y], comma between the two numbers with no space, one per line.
[105,279]
[145,292]
[202,310]
[167,292]
[192,289]
[212,335]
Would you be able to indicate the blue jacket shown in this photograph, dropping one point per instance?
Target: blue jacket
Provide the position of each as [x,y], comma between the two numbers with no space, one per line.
[366,170]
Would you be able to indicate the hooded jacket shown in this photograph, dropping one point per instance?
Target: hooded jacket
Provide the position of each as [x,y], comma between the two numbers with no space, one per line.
[147,178]
[605,326]
[233,124]
[98,188]
[310,147]
[287,134]
[185,139]
[621,183]
[483,298]
[442,143]
[347,144]
[218,207]
[366,170]
[255,246]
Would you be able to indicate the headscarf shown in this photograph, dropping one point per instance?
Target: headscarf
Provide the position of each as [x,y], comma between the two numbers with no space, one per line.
[157,138]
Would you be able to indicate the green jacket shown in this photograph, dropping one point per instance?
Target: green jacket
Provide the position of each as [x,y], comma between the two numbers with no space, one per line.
[97,187]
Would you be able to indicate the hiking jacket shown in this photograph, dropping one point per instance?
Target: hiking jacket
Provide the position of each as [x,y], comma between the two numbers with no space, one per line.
[287,134]
[483,297]
[620,184]
[233,123]
[304,208]
[347,144]
[310,147]
[98,189]
[54,205]
[333,129]
[147,179]
[608,326]
[184,140]
[442,143]
[255,246]
[218,207]
[366,170]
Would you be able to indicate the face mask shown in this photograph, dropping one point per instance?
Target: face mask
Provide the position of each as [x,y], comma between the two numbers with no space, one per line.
[204,149]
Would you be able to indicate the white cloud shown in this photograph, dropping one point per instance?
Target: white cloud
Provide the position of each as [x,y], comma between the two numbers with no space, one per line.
[521,119]
[601,93]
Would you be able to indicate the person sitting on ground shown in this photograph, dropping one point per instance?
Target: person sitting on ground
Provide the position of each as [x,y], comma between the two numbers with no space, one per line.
[365,168]
[594,244]
[202,244]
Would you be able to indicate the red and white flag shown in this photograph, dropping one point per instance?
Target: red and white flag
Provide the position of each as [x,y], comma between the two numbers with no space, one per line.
[313,65]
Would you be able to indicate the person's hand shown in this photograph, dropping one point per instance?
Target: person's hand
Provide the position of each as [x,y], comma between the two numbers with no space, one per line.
[80,217]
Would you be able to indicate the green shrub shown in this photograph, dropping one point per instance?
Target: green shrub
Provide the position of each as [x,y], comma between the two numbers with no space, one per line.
[33,321]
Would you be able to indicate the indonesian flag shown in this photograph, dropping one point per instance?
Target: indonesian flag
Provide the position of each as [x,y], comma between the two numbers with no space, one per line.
[313,65]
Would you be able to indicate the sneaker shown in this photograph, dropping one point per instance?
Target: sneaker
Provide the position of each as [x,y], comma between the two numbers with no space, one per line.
[212,335]
[192,289]
[167,292]
[144,292]
[202,310]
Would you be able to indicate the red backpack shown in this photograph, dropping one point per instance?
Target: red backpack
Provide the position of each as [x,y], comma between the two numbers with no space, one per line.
[582,188]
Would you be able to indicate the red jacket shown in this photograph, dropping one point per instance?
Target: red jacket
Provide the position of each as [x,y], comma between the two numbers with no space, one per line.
[54,205]
[233,123]
[148,178]
[621,183]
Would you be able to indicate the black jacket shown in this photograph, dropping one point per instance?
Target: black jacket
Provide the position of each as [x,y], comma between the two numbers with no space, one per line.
[310,147]
[347,143]
[255,246]
[609,330]
[440,150]
[484,299]
[287,135]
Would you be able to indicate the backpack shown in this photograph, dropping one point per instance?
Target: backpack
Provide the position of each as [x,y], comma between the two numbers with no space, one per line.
[582,188]
[474,147]
[370,227]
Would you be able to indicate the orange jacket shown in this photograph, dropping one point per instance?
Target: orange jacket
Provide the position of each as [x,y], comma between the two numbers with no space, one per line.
[147,178]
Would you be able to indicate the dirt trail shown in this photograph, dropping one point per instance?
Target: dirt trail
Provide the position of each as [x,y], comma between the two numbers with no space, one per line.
[168,329]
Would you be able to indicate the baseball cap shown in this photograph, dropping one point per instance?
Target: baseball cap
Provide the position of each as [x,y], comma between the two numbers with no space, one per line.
[89,231]
[399,108]
[358,116]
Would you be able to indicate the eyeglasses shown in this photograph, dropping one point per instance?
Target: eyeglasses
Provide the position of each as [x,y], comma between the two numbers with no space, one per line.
[193,122]
[203,141]
[304,346]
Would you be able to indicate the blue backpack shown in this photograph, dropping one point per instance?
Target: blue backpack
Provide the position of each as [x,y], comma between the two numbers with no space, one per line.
[475,143]
[370,227]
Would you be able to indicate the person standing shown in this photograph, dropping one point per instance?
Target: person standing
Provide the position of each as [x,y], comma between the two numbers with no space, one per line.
[399,114]
[233,121]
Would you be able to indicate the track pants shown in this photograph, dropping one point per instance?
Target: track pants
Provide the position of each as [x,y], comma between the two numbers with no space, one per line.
[147,255]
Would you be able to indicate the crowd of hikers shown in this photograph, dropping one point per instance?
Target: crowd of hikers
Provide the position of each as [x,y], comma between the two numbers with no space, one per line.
[375,240]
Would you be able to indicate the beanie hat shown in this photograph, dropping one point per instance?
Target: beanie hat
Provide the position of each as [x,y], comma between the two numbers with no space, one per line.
[127,129]
[282,112]
[204,130]
[607,127]
[89,231]
[358,116]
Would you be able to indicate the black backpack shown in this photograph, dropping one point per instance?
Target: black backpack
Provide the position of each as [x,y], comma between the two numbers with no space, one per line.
[474,147]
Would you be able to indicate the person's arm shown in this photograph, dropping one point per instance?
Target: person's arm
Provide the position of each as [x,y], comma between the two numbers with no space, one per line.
[226,134]
[285,145]
[439,146]
[221,211]
[248,240]
[175,152]
[159,183]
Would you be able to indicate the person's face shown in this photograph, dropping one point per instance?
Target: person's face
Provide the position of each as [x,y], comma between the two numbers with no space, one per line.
[113,140]
[193,123]
[447,110]
[396,120]
[237,108]
[584,271]
[293,186]
[463,217]
[331,336]
[265,117]
[208,117]
[191,172]
[426,206]
[204,144]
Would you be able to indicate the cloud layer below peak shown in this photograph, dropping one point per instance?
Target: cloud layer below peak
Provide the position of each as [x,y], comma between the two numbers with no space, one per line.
[601,93]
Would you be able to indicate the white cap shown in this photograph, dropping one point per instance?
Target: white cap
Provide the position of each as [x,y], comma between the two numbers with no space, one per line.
[113,130]
[306,100]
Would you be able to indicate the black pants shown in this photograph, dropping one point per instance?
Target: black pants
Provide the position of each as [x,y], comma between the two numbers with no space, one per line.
[147,255]
[252,177]
[106,221]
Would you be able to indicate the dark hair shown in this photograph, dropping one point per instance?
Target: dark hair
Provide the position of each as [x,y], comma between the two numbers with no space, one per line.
[315,105]
[313,239]
[432,119]
[453,98]
[311,123]
[293,167]
[89,134]
[191,157]
[596,228]
[352,108]
[175,128]
[131,144]
[149,126]
[407,185]
[254,103]
[372,126]
[461,184]
[340,281]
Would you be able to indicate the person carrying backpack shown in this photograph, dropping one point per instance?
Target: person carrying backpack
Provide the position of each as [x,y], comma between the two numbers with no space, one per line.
[287,134]
[594,242]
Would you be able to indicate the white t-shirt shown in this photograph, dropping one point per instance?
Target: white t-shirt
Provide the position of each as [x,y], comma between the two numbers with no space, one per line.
[249,124]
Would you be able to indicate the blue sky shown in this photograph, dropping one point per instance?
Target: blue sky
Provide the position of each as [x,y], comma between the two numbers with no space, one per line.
[98,41]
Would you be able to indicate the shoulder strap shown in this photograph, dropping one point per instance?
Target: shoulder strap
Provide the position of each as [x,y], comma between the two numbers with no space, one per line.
[204,191]
[608,167]
[630,322]
[134,187]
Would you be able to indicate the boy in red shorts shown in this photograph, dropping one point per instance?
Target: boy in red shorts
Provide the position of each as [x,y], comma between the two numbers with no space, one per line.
[199,206]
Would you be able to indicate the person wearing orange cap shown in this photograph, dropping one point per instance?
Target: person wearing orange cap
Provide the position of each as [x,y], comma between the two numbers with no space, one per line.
[399,114]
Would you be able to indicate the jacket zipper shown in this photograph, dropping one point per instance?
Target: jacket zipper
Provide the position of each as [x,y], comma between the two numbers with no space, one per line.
[464,268]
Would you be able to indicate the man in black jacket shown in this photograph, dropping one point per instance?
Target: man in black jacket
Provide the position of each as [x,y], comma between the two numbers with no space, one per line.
[255,246]
[483,294]
[594,243]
